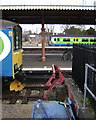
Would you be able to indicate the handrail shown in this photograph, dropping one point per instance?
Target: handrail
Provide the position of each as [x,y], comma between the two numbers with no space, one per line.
[85,84]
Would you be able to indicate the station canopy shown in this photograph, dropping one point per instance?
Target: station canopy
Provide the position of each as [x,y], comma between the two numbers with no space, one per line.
[53,11]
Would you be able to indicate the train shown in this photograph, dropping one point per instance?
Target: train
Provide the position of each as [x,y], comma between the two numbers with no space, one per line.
[69,40]
[64,40]
[10,53]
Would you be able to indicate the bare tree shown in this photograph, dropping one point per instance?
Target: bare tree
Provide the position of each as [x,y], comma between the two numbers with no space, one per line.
[63,28]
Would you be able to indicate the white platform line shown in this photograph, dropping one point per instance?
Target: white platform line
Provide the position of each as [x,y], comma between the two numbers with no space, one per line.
[49,47]
[41,54]
[44,69]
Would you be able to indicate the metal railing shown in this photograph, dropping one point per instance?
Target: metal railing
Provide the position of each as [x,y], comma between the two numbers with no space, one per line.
[86,89]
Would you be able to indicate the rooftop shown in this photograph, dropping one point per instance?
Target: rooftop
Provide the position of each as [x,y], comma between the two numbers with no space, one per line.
[47,4]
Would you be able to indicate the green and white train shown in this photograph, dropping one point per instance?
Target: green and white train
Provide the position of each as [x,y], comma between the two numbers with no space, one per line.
[63,40]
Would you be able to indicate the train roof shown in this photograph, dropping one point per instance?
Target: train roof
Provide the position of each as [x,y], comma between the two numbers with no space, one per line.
[5,24]
[74,36]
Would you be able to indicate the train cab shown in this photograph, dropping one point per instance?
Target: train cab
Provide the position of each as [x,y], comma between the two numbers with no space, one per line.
[10,49]
[75,40]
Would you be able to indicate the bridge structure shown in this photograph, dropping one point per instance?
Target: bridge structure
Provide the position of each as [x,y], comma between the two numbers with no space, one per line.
[49,12]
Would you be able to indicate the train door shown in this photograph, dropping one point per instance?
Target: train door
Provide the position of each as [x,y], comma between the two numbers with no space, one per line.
[16,58]
[75,40]
[17,49]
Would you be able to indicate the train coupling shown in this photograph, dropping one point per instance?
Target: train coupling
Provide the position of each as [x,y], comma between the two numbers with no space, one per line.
[16,86]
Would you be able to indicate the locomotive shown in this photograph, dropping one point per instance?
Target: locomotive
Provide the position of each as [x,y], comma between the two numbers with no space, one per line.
[10,53]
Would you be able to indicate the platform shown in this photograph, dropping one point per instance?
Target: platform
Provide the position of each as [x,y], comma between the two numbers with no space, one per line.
[33,62]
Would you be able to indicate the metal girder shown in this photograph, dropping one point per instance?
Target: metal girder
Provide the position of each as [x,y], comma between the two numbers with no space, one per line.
[51,16]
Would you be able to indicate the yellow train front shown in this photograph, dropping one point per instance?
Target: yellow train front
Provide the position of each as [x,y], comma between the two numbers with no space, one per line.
[10,53]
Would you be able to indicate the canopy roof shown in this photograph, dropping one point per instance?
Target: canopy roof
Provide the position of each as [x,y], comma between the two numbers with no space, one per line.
[52,11]
[47,4]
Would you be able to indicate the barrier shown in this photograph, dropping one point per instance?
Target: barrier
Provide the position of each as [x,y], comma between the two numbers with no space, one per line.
[86,88]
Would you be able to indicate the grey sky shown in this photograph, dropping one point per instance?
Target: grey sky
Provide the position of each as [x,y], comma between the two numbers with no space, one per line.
[37,27]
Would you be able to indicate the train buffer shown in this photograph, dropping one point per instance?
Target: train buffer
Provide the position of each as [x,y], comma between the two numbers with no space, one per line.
[56,78]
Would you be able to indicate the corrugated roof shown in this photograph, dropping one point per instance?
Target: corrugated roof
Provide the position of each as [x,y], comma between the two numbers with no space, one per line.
[47,7]
[47,4]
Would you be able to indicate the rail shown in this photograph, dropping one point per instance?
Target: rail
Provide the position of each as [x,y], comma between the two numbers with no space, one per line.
[85,84]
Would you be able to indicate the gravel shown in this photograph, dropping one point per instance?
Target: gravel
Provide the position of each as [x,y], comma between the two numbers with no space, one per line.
[17,110]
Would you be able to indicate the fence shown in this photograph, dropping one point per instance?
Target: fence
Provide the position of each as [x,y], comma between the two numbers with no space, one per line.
[86,89]
[83,54]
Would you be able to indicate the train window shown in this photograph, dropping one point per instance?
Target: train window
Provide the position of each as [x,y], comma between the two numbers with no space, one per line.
[92,40]
[54,39]
[17,36]
[84,40]
[58,39]
[17,40]
[66,40]
[77,40]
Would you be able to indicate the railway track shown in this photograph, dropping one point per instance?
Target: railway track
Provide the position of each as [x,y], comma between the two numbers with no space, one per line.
[32,93]
[34,89]
[29,93]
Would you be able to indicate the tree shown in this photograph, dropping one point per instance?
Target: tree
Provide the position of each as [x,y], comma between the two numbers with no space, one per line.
[73,31]
[63,28]
[90,31]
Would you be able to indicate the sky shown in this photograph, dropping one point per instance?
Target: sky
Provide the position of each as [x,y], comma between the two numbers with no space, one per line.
[36,28]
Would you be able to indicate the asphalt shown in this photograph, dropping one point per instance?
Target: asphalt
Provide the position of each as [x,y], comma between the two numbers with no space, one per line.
[34,61]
